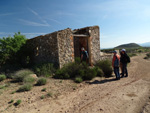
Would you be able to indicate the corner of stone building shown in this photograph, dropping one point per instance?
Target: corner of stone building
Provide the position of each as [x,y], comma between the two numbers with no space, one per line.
[65,47]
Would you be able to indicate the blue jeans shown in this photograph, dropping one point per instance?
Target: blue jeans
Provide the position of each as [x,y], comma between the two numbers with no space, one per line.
[116,71]
[124,69]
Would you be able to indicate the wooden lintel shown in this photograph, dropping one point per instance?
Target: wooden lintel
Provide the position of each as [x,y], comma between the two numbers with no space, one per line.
[80,35]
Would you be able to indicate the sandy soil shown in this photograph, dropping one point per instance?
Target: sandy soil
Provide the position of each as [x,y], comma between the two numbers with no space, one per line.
[101,95]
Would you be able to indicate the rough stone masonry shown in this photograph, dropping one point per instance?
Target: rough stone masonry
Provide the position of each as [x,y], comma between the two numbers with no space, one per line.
[64,46]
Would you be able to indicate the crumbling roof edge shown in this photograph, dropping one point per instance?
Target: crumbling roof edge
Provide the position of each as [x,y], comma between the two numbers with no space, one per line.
[49,33]
[86,27]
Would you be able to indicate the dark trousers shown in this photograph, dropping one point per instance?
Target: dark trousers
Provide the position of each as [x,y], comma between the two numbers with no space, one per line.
[116,71]
[124,69]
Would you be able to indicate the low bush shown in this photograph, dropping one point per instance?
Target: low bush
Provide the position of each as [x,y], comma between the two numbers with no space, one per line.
[13,92]
[17,102]
[100,72]
[68,71]
[78,79]
[132,54]
[21,74]
[73,70]
[44,89]
[11,101]
[44,69]
[105,65]
[77,60]
[29,79]
[41,81]
[2,77]
[25,87]
[42,97]
[89,74]
[148,55]
[49,94]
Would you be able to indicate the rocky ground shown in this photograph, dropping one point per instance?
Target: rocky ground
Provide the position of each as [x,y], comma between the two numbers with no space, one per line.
[100,95]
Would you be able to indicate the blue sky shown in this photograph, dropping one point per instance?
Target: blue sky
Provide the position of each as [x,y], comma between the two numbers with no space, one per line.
[120,21]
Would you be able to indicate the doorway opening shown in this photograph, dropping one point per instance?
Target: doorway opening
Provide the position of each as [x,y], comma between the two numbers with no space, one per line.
[79,42]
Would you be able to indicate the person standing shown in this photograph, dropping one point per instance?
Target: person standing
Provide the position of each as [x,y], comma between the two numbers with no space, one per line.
[124,60]
[115,64]
[84,55]
[121,62]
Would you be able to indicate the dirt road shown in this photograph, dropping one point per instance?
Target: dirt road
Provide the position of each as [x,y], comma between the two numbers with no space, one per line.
[128,95]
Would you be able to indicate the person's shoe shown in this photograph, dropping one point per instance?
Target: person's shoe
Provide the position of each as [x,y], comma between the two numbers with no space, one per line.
[122,76]
[118,78]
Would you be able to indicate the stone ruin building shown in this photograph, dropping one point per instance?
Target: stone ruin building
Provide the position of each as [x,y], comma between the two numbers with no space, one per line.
[64,46]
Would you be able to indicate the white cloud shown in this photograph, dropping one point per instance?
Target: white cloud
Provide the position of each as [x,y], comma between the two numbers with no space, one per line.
[31,23]
[55,21]
[36,14]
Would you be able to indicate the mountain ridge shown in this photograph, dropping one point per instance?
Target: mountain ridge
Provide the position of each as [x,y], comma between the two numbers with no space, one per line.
[129,45]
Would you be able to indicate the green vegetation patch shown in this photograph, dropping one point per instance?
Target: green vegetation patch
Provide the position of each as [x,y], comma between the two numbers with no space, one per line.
[2,77]
[41,81]
[106,67]
[25,87]
[18,102]
[44,69]
[20,75]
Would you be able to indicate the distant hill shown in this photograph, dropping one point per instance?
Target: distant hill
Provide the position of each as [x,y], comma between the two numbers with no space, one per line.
[130,45]
[147,44]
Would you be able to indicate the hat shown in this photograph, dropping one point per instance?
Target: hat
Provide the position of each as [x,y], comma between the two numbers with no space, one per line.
[82,48]
[115,51]
[123,50]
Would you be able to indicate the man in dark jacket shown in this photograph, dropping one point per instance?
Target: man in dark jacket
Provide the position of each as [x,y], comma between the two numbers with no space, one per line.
[124,60]
[84,55]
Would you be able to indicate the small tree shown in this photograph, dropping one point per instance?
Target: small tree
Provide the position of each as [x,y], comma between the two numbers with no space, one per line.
[9,47]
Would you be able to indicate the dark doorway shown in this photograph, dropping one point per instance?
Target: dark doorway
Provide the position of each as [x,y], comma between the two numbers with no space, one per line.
[80,42]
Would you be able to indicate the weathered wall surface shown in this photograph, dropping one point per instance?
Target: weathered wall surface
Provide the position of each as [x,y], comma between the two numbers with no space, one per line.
[95,43]
[59,47]
[65,47]
[76,47]
[44,49]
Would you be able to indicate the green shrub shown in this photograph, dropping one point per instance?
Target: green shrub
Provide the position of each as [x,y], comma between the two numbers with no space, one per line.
[29,79]
[10,46]
[100,72]
[132,54]
[2,86]
[44,89]
[77,60]
[42,97]
[13,92]
[71,70]
[17,102]
[78,79]
[49,94]
[44,69]
[21,74]
[25,87]
[2,77]
[11,101]
[148,55]
[41,81]
[90,73]
[105,65]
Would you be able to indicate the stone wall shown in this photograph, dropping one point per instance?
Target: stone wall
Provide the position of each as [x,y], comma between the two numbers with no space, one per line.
[44,49]
[59,47]
[65,47]
[95,43]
